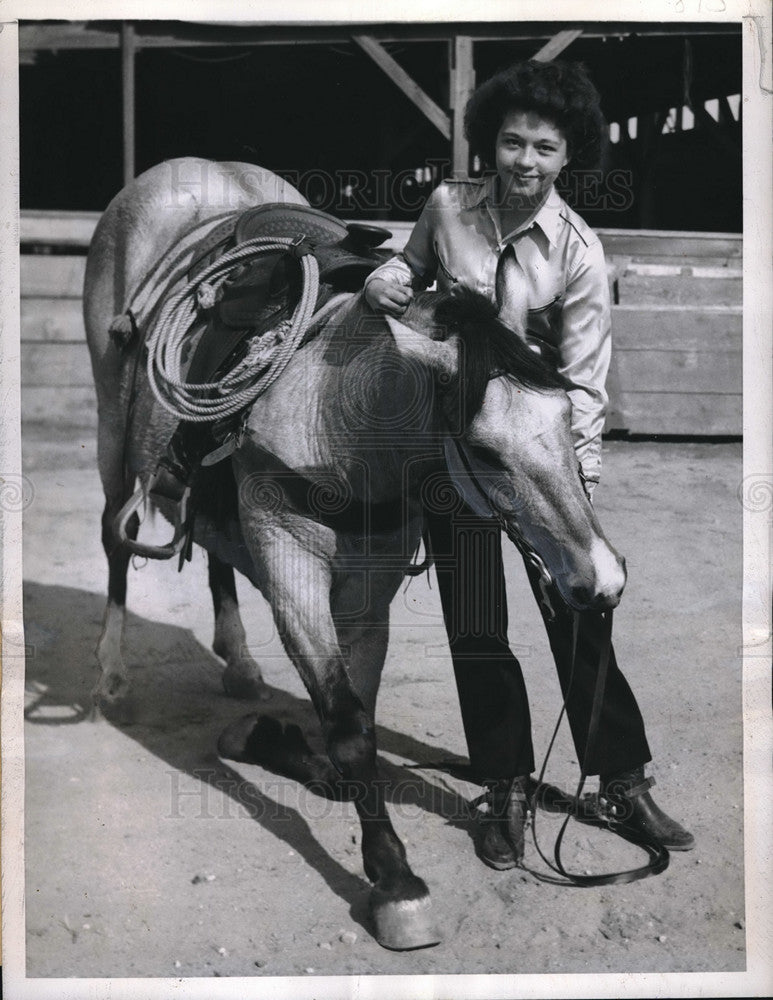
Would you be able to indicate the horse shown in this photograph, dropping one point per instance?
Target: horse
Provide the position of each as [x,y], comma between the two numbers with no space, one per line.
[337,461]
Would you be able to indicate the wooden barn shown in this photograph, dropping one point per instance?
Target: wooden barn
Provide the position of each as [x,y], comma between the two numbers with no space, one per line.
[102,101]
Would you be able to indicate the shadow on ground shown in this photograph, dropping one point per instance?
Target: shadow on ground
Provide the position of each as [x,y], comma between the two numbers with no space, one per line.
[177,709]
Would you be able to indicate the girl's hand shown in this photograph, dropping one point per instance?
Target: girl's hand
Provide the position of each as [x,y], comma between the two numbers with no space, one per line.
[386,297]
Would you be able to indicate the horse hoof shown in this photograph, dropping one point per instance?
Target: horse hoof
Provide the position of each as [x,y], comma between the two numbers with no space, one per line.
[232,742]
[112,700]
[245,688]
[404,924]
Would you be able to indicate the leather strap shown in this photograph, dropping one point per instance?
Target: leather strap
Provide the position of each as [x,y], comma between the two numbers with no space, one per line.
[631,793]
[659,856]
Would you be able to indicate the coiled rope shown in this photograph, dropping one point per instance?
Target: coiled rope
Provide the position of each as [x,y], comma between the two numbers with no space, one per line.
[209,401]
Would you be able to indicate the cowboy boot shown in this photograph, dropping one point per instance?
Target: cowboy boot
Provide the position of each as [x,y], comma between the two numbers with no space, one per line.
[501,817]
[628,807]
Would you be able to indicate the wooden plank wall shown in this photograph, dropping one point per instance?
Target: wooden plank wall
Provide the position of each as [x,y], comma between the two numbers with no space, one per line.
[676,365]
[677,329]
[55,368]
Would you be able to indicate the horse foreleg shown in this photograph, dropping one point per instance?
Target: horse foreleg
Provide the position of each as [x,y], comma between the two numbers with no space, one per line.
[400,902]
[284,749]
[242,677]
[363,634]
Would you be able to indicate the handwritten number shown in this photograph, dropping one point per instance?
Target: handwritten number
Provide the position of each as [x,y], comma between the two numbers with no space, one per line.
[704,6]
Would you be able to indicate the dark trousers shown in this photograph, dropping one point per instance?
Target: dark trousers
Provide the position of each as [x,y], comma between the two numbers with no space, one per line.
[492,695]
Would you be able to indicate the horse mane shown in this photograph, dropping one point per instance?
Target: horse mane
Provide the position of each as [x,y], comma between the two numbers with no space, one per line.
[487,346]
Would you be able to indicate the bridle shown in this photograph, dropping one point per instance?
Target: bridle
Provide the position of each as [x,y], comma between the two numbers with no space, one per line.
[457,458]
[659,855]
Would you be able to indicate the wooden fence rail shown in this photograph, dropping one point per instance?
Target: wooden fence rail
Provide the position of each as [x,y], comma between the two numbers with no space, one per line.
[677,326]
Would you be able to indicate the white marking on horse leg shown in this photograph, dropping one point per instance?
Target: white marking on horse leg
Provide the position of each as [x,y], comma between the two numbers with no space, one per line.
[242,677]
[230,637]
[113,680]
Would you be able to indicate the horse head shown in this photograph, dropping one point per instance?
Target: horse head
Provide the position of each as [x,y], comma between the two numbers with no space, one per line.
[510,449]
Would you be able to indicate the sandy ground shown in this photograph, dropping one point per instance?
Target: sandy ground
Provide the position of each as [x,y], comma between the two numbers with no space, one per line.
[147,855]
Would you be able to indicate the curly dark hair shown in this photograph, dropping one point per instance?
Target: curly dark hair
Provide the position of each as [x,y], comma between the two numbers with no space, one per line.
[560,92]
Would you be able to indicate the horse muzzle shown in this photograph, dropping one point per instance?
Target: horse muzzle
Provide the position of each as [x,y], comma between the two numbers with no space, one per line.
[599,589]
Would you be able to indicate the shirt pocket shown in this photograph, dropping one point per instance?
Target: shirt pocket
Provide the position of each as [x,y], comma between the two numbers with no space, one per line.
[443,268]
[543,323]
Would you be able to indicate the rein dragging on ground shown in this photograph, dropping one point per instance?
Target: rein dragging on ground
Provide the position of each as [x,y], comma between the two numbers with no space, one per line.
[659,855]
[211,401]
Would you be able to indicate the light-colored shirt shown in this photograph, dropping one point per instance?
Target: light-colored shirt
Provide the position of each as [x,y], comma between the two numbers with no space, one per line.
[554,291]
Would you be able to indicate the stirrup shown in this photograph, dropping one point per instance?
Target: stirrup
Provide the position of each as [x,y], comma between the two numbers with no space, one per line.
[131,507]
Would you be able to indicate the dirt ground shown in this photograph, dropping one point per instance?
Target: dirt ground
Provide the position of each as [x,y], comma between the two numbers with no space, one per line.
[147,855]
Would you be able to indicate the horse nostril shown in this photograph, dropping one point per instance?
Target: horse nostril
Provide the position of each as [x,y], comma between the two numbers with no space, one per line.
[604,590]
[605,602]
[586,599]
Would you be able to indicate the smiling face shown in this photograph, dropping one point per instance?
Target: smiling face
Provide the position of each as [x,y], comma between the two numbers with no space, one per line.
[530,153]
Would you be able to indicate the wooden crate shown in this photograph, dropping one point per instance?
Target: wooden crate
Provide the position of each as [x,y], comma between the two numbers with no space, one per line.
[677,335]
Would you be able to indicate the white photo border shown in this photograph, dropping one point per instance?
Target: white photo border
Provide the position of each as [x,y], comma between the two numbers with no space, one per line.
[757,980]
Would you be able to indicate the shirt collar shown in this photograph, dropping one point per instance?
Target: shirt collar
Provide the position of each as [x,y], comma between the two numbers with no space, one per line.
[548,218]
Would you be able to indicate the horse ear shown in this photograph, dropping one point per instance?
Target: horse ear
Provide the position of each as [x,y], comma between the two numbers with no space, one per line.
[440,355]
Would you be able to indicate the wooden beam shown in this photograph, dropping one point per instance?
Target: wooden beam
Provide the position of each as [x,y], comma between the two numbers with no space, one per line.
[177,34]
[405,82]
[40,37]
[53,227]
[128,88]
[462,86]
[557,44]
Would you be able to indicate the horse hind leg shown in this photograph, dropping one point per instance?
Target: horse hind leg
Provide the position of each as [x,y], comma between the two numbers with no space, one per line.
[113,682]
[242,677]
